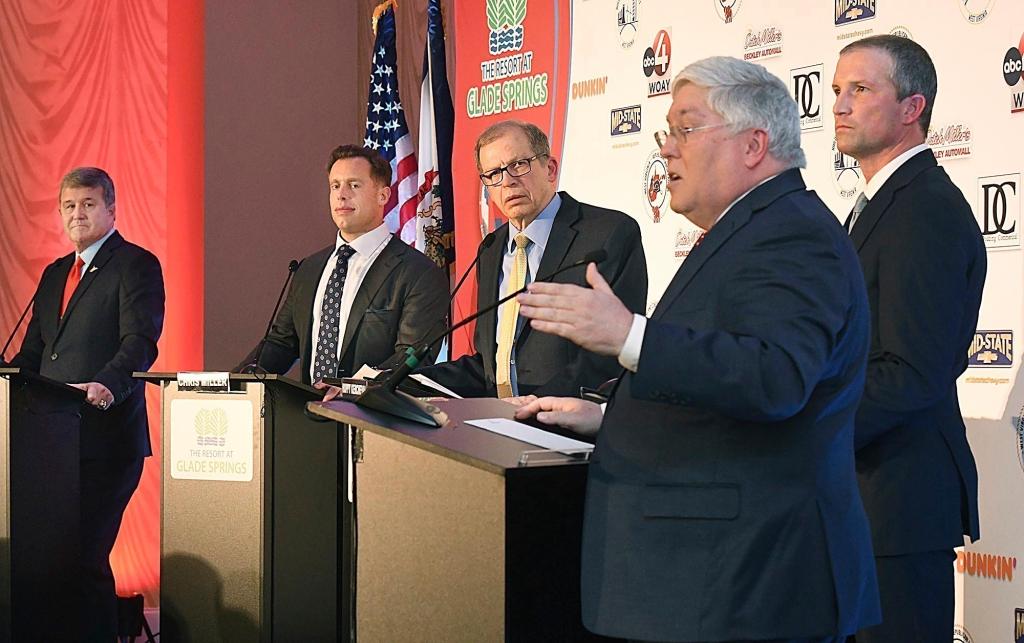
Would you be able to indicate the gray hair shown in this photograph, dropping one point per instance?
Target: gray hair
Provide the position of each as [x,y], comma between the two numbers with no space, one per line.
[88,177]
[912,70]
[538,140]
[748,96]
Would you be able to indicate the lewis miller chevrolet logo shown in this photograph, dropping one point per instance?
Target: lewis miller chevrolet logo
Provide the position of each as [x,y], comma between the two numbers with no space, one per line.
[625,120]
[991,348]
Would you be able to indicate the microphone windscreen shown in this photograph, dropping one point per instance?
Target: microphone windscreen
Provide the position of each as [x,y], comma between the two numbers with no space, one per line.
[293,265]
[488,240]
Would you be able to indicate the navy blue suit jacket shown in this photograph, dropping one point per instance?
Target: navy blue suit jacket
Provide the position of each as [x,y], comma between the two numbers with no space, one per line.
[109,330]
[722,499]
[924,265]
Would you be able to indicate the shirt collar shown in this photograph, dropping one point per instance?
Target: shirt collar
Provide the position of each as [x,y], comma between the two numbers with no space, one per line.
[878,180]
[89,253]
[366,243]
[537,230]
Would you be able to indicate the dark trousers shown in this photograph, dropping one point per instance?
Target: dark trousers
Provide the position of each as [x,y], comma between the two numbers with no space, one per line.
[827,639]
[917,599]
[106,488]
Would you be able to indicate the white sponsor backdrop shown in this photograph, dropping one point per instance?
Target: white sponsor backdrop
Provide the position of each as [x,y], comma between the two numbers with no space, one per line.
[610,158]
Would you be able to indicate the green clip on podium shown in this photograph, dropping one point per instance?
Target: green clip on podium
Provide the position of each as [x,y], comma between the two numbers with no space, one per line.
[39,422]
[250,513]
[462,534]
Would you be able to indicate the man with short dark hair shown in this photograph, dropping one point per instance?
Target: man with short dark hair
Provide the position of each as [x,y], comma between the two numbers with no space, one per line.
[924,264]
[722,498]
[96,318]
[545,231]
[363,298]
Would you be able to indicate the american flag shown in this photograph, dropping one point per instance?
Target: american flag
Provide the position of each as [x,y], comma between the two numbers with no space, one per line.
[386,130]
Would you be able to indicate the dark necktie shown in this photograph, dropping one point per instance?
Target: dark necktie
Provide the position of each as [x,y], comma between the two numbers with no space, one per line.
[74,277]
[326,362]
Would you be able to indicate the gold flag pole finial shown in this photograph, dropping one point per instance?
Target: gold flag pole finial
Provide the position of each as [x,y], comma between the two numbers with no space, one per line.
[381,8]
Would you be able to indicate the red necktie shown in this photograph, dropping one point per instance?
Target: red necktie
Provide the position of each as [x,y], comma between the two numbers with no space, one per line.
[69,288]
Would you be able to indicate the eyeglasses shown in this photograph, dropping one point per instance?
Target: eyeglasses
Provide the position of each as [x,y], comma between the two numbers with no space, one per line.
[678,134]
[518,168]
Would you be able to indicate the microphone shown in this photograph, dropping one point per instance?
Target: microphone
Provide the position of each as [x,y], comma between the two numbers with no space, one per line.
[7,344]
[398,357]
[384,396]
[251,367]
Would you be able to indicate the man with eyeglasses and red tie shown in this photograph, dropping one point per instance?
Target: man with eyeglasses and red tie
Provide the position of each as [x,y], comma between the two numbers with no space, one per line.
[545,231]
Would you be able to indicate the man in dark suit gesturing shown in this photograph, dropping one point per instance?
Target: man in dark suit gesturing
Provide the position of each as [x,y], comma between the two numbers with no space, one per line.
[722,500]
[96,317]
[924,264]
[363,298]
[553,230]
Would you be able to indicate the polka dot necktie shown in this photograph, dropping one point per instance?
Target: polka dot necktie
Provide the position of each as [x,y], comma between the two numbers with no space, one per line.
[326,362]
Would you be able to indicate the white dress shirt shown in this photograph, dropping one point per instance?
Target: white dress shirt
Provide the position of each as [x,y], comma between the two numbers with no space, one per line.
[367,248]
[89,253]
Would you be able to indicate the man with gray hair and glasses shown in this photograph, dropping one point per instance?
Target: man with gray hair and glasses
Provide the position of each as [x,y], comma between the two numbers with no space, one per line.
[546,230]
[722,500]
[924,265]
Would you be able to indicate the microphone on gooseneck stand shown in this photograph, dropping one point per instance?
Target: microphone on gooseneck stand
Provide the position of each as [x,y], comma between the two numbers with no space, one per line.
[384,396]
[251,367]
[398,358]
[7,344]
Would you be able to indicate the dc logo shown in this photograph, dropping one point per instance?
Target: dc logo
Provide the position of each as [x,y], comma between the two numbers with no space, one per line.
[995,200]
[804,86]
[807,93]
[999,210]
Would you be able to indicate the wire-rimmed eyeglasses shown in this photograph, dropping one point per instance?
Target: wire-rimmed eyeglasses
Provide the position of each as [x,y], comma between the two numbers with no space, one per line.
[515,169]
[678,134]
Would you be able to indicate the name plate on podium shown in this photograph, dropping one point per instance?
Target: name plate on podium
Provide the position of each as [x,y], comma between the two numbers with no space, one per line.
[206,382]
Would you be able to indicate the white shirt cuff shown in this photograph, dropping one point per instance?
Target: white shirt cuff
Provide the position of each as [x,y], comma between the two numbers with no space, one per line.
[629,356]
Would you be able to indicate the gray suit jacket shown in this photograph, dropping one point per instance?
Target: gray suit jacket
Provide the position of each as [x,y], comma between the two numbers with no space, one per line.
[403,298]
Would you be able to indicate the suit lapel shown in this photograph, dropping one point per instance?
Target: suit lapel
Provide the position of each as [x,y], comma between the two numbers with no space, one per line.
[877,205]
[563,232]
[104,254]
[737,217]
[375,277]
[487,294]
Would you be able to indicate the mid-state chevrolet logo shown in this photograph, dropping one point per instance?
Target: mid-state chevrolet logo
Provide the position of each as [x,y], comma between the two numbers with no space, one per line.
[854,13]
[987,357]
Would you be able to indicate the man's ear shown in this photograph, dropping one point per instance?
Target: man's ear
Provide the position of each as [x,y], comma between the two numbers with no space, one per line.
[384,194]
[756,147]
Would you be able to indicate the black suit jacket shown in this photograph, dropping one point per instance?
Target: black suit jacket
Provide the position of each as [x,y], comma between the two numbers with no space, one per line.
[109,330]
[403,298]
[546,364]
[722,499]
[924,263]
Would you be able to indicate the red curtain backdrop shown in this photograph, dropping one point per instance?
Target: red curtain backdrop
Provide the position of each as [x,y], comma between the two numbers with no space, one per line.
[115,84]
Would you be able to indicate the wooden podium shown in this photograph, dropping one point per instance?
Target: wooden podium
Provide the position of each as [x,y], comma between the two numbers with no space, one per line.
[251,513]
[458,538]
[39,507]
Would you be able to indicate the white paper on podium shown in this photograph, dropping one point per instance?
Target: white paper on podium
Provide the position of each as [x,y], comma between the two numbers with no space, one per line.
[532,435]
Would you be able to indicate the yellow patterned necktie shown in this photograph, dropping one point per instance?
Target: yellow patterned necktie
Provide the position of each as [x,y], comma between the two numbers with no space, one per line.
[509,317]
